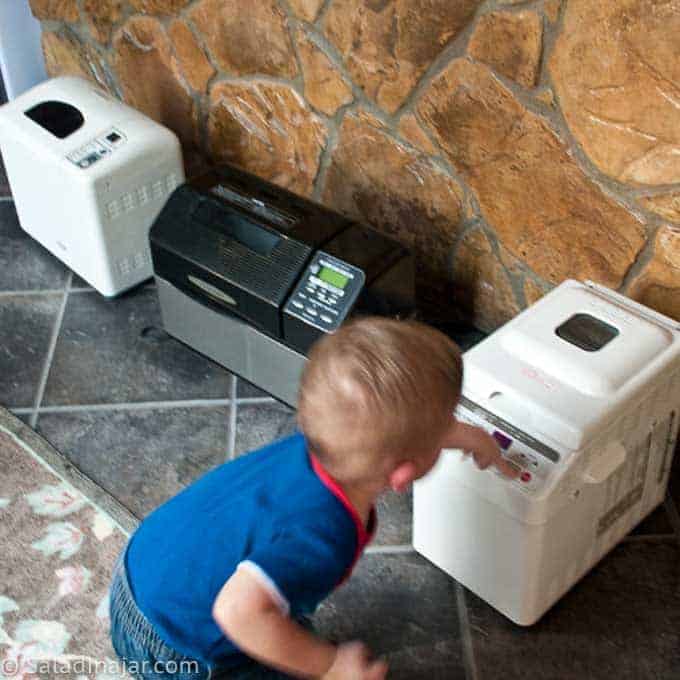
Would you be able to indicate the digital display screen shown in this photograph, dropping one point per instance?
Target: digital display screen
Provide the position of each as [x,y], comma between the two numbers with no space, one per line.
[333,277]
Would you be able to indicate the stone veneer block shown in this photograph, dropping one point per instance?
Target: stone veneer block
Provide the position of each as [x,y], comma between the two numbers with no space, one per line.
[242,42]
[658,284]
[100,16]
[66,55]
[511,44]
[530,189]
[485,288]
[193,63]
[325,88]
[615,70]
[159,6]
[411,131]
[148,76]
[268,129]
[388,46]
[666,205]
[375,178]
[54,10]
[307,9]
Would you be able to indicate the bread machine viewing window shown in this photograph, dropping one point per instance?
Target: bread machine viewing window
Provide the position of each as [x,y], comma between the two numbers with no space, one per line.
[58,118]
[587,332]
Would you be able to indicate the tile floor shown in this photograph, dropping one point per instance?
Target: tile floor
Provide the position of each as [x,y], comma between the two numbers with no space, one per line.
[143,416]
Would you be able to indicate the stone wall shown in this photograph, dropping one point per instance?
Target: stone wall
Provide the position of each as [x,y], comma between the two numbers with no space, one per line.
[512,143]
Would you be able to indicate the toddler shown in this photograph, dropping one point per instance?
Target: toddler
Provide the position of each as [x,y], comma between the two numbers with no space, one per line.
[218,580]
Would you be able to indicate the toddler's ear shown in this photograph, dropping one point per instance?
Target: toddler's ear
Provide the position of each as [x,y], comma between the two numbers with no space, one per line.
[402,476]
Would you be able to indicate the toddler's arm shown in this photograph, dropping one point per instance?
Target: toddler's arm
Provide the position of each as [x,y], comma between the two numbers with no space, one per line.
[481,445]
[247,613]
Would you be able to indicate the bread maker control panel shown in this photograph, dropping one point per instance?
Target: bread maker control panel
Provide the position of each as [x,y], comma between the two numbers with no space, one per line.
[326,292]
[532,458]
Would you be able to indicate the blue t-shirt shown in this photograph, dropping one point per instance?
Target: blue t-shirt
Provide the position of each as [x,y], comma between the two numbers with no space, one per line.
[275,512]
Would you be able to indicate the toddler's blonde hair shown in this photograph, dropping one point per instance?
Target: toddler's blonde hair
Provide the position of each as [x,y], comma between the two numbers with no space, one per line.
[378,387]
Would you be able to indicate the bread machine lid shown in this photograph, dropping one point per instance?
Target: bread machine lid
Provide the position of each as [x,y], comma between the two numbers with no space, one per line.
[565,367]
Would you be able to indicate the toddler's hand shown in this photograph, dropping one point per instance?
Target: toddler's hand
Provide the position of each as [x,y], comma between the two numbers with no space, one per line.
[488,453]
[353,662]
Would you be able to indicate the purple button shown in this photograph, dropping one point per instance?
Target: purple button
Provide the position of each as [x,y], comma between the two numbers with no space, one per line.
[502,440]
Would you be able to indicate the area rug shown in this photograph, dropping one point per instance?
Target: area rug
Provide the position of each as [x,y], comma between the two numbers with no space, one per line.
[60,535]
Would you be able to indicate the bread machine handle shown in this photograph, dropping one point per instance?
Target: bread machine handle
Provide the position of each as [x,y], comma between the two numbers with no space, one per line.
[605,464]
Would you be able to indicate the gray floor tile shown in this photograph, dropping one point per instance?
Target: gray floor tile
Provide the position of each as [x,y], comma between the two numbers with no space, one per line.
[395,513]
[261,424]
[402,608]
[141,457]
[244,389]
[4,183]
[621,621]
[116,351]
[77,282]
[24,263]
[26,325]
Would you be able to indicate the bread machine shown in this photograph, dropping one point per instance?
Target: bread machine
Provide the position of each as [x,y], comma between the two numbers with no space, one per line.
[582,391]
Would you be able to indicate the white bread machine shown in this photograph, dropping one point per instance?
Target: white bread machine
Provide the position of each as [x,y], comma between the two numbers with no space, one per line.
[582,391]
[88,175]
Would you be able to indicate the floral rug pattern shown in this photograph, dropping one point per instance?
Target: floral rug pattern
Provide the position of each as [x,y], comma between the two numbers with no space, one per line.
[57,551]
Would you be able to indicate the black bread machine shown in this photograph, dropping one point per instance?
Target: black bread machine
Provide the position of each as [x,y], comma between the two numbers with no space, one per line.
[251,275]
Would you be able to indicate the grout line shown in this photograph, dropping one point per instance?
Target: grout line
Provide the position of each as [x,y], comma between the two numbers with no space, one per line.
[469,662]
[255,400]
[33,421]
[46,291]
[135,406]
[389,549]
[231,446]
[23,411]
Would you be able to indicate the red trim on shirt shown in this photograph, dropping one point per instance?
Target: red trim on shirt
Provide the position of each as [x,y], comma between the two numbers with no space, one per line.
[364,535]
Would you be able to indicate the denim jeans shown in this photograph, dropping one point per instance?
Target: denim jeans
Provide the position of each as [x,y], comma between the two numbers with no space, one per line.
[146,657]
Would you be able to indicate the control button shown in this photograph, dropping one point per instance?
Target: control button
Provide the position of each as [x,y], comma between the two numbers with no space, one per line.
[340,293]
[314,269]
[503,440]
[326,318]
[525,476]
[113,137]
[297,304]
[311,310]
[310,289]
[302,296]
